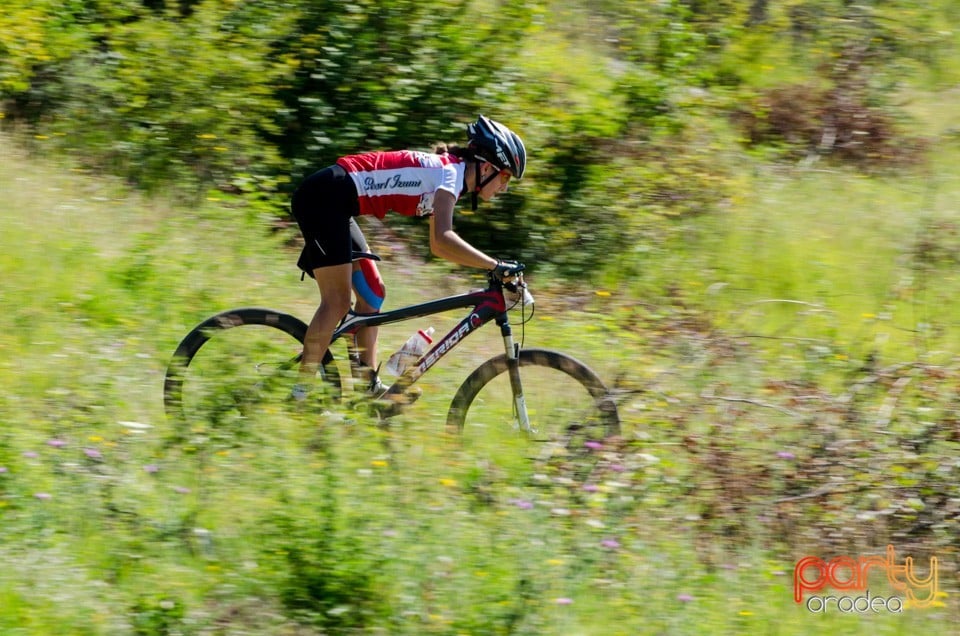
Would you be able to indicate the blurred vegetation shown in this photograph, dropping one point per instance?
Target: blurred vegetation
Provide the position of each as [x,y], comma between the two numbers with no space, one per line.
[634,113]
[772,243]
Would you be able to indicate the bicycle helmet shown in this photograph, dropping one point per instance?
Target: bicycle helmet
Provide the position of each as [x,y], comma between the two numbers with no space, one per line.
[495,143]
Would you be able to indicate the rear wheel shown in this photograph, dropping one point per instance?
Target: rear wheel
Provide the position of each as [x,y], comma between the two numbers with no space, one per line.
[571,411]
[236,365]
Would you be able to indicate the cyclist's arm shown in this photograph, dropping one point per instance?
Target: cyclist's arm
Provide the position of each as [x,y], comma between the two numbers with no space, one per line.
[446,243]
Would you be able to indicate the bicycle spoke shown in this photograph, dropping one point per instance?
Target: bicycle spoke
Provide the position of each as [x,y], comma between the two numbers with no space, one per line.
[238,374]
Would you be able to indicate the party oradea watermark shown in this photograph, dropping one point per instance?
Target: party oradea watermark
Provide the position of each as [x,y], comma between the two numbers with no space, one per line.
[911,585]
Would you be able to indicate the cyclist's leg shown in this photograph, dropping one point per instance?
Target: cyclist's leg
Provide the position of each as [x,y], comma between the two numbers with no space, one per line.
[334,284]
[323,206]
[370,291]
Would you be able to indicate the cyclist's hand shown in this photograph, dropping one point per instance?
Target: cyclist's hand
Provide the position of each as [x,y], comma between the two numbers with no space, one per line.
[507,270]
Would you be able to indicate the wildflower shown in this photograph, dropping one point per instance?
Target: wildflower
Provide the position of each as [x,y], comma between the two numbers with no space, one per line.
[786,455]
[449,483]
[523,504]
[611,544]
[592,445]
[590,488]
[151,468]
[563,600]
[746,613]
[30,455]
[684,598]
[92,453]
[43,496]
[56,443]
[3,469]
[181,490]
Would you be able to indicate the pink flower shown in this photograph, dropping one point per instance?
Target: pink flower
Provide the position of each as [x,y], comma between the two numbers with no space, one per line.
[56,443]
[786,455]
[684,598]
[43,496]
[92,453]
[611,544]
[593,445]
[563,600]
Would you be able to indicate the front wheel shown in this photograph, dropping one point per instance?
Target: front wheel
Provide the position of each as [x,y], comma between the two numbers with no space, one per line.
[571,411]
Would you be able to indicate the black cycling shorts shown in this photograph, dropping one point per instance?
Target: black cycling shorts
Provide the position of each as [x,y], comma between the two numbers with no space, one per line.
[324,206]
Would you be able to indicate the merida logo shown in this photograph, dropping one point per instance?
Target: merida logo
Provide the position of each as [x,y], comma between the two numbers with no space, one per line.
[394,181]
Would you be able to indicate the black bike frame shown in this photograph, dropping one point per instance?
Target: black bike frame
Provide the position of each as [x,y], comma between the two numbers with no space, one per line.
[488,304]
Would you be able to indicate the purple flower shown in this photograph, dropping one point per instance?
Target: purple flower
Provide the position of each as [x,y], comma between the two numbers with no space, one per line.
[56,443]
[3,469]
[30,455]
[151,468]
[611,544]
[92,453]
[593,445]
[42,496]
[523,504]
[563,600]
[684,598]
[181,490]
[617,468]
[590,487]
[786,455]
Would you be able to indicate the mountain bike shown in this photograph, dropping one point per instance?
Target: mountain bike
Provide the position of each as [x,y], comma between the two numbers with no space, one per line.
[242,360]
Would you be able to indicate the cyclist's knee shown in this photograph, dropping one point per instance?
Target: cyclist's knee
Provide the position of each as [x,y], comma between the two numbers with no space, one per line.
[335,302]
[369,286]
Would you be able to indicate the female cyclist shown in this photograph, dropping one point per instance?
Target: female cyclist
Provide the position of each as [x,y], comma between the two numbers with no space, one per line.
[409,183]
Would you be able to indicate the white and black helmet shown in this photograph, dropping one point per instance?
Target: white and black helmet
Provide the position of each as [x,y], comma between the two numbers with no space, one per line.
[495,143]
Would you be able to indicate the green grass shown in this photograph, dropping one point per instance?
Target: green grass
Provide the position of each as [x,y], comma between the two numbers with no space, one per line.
[302,523]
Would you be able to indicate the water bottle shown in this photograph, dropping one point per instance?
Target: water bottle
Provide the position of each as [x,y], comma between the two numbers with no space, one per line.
[415,346]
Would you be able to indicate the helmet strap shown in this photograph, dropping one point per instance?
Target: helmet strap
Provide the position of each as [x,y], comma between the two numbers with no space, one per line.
[480,185]
[476,185]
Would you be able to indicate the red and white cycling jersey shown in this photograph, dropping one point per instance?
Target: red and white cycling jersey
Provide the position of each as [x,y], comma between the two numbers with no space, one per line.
[403,181]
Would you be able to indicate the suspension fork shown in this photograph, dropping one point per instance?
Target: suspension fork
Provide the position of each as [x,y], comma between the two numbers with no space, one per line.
[513,370]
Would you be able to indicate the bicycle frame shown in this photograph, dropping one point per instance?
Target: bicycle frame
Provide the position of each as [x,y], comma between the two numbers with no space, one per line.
[488,305]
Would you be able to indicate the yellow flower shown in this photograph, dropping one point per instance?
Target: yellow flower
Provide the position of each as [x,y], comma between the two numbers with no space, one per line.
[449,483]
[378,463]
[601,292]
